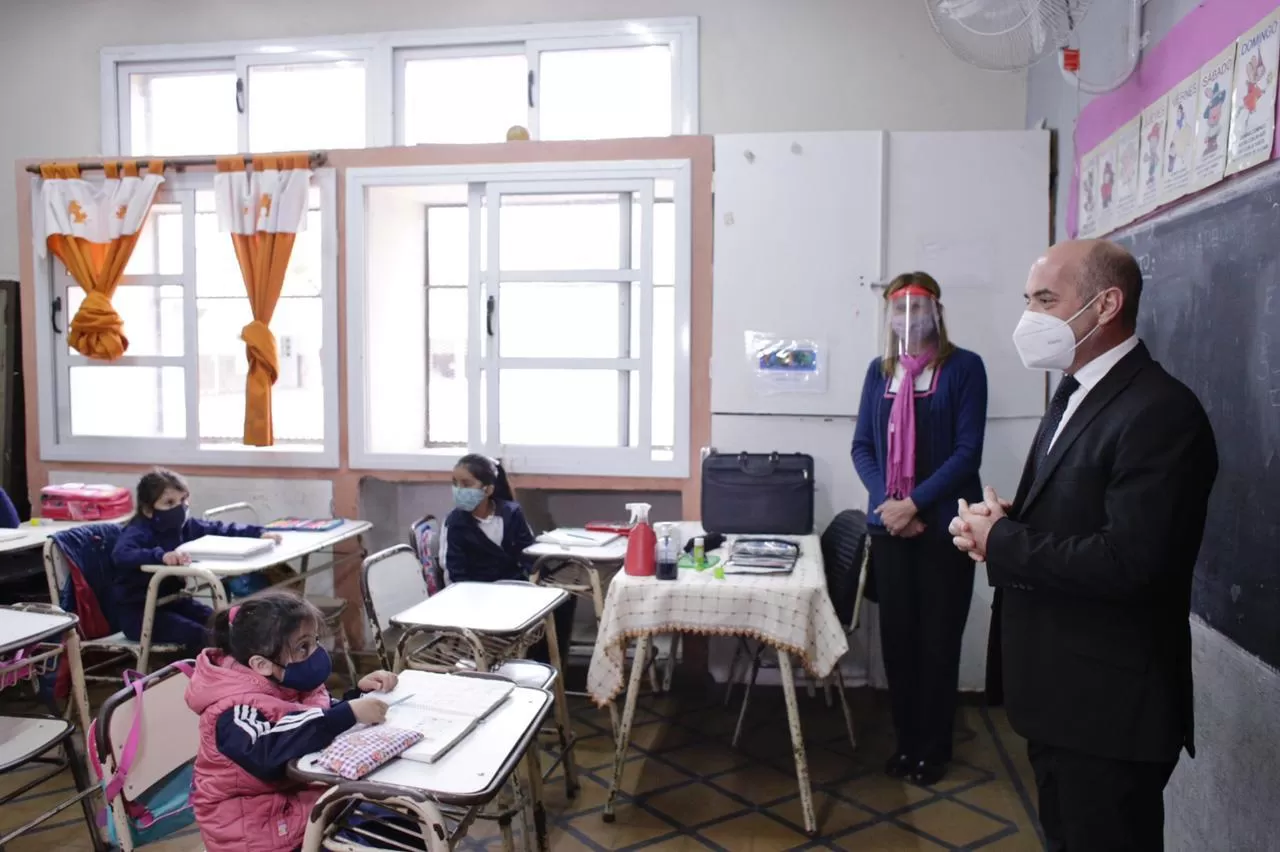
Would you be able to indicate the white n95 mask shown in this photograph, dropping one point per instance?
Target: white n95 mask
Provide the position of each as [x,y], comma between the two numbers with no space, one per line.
[1045,342]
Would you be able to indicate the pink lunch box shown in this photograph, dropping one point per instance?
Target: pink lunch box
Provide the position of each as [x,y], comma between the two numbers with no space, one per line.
[78,502]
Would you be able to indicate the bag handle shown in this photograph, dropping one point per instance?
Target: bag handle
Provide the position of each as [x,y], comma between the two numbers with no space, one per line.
[744,458]
[133,680]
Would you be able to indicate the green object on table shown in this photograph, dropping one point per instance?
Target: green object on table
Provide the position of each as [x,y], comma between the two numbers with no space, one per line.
[686,561]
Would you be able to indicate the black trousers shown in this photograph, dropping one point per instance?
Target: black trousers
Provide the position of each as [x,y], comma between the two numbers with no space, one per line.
[924,585]
[1096,804]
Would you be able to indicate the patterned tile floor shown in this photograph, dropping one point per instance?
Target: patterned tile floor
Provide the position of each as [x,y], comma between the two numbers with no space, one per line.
[686,789]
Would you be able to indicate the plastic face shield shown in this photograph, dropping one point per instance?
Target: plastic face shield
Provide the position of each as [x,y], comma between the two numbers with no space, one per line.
[912,322]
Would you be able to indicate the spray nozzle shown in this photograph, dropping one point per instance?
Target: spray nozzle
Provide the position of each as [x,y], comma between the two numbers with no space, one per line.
[639,512]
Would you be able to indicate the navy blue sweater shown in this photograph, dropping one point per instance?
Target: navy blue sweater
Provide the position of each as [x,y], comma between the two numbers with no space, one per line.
[8,514]
[957,412]
[142,544]
[264,748]
[472,557]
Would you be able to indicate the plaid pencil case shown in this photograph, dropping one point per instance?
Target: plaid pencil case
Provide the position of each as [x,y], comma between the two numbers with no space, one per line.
[357,753]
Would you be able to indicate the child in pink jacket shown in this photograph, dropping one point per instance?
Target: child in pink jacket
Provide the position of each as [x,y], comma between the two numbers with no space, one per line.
[262,702]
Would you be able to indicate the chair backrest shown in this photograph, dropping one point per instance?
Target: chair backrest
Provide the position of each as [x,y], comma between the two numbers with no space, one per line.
[166,739]
[424,538]
[391,581]
[233,513]
[843,543]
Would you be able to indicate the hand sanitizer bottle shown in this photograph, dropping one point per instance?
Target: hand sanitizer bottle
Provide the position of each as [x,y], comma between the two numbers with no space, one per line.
[668,552]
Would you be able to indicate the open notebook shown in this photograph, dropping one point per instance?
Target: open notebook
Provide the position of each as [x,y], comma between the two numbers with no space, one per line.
[443,708]
[225,547]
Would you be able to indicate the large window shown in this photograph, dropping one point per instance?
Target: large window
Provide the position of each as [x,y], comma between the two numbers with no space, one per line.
[537,312]
[560,81]
[177,395]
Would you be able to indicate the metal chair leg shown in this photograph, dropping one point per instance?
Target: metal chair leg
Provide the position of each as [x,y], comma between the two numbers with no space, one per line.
[844,708]
[746,694]
[340,638]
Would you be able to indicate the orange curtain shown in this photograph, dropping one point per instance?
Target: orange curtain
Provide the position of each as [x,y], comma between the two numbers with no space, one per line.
[263,243]
[96,330]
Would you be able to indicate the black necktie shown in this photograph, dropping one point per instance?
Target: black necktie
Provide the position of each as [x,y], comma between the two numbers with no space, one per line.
[1053,417]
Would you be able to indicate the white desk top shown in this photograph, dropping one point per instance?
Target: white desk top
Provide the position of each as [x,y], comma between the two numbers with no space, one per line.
[484,607]
[470,772]
[613,552]
[35,534]
[18,629]
[293,545]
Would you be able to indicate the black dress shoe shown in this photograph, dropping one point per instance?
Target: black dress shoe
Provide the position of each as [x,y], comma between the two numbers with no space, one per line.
[927,774]
[898,766]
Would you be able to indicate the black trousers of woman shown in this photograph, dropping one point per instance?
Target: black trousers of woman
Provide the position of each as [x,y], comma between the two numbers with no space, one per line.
[924,585]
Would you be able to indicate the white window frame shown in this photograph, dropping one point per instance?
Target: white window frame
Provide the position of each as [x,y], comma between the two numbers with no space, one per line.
[53,363]
[550,177]
[384,55]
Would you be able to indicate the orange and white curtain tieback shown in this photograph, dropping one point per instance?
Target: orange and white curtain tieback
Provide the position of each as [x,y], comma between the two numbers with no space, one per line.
[92,228]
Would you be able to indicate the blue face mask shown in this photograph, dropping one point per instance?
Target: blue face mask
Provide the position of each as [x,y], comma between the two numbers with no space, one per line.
[309,674]
[467,499]
[167,520]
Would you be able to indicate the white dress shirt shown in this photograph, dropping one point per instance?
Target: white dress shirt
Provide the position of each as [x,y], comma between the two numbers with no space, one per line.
[1089,375]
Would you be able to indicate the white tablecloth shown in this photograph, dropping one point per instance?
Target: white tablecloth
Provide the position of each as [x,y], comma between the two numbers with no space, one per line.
[791,612]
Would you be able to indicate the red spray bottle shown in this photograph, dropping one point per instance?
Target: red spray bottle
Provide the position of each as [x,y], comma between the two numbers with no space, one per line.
[642,544]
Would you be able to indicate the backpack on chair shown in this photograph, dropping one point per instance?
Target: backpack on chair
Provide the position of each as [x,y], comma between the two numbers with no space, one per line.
[424,538]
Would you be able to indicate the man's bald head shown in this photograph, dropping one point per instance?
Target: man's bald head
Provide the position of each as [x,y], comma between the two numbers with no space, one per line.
[1098,265]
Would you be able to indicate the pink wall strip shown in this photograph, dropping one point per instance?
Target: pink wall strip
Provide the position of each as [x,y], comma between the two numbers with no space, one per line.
[1196,39]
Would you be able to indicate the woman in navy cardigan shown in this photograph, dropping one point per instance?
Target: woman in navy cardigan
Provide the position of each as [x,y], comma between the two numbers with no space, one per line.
[917,455]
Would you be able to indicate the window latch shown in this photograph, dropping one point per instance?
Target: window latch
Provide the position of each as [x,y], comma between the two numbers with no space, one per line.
[240,95]
[530,88]
[490,304]
[53,314]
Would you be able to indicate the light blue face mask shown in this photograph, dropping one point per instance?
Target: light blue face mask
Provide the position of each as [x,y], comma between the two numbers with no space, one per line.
[467,499]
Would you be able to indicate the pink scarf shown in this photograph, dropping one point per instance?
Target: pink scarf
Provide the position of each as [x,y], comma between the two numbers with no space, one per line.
[900,479]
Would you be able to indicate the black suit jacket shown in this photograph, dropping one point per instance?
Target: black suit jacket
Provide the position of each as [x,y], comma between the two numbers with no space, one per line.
[1094,564]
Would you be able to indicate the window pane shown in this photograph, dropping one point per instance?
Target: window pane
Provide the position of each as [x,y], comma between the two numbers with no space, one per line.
[128,402]
[159,247]
[560,232]
[308,105]
[610,93]
[531,414]
[447,413]
[664,241]
[298,396]
[218,271]
[184,113]
[464,99]
[152,317]
[559,320]
[448,246]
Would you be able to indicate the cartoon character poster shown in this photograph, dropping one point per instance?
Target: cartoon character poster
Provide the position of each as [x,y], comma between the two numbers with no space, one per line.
[1253,99]
[1213,115]
[1180,139]
[1087,192]
[1107,186]
[1151,168]
[1128,154]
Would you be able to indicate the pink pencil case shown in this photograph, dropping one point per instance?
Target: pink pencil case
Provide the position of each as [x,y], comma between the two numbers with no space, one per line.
[354,755]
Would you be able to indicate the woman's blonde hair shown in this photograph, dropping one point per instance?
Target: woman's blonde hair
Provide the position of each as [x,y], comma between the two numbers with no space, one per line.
[925,281]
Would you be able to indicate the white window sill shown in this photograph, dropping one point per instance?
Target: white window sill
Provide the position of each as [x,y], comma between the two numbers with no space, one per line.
[168,452]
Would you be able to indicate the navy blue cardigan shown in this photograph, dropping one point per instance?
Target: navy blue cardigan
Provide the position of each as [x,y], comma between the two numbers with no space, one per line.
[472,557]
[958,418]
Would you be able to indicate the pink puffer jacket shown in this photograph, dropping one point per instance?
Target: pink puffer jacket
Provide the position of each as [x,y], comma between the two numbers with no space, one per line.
[236,811]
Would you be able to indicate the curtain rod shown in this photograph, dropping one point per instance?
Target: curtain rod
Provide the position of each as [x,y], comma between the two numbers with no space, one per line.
[317,159]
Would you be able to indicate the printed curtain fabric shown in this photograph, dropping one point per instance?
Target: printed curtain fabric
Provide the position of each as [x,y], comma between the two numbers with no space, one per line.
[92,228]
[263,211]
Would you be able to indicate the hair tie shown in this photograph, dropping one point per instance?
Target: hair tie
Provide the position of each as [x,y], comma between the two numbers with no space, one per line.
[231,614]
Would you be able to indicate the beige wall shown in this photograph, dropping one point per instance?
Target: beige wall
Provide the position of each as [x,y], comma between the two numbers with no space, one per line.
[766,64]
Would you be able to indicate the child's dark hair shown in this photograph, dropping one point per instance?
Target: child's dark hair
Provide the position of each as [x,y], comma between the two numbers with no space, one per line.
[487,472]
[157,481]
[262,624]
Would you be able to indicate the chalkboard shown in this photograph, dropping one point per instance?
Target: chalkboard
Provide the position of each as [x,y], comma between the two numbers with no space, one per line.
[1211,315]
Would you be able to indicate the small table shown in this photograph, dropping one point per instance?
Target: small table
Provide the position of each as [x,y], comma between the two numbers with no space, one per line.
[791,612]
[34,533]
[211,572]
[471,774]
[505,609]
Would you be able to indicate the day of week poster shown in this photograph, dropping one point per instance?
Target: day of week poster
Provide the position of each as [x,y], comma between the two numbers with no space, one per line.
[1180,139]
[1087,218]
[1212,117]
[1127,157]
[1151,170]
[1253,99]
[1107,186]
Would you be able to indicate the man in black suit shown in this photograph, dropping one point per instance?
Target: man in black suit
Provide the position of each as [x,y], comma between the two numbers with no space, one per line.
[1092,561]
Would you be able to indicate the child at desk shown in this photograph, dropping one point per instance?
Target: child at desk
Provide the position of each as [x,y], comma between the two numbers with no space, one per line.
[152,537]
[485,537]
[262,702]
